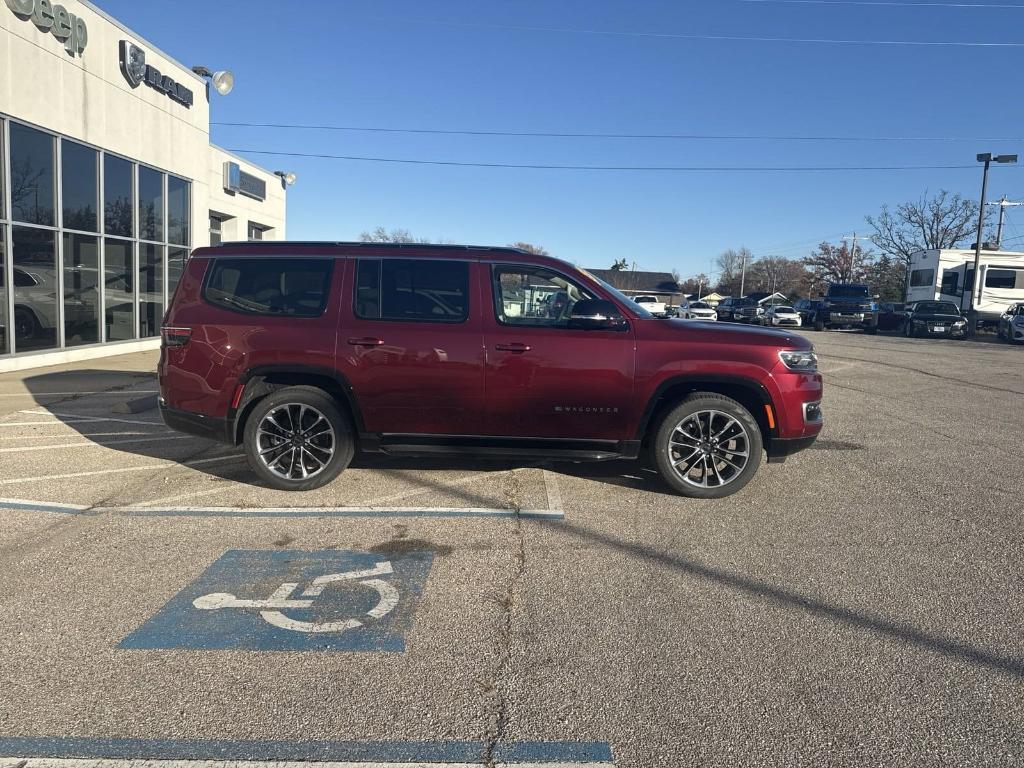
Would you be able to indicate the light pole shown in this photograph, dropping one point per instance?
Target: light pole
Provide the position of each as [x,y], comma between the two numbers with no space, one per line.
[972,316]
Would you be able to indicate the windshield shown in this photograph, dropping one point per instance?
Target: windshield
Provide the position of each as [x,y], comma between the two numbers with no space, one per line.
[634,307]
[937,308]
[700,305]
[782,308]
[645,300]
[849,291]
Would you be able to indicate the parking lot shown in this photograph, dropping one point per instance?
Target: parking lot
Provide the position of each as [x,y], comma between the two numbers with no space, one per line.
[857,605]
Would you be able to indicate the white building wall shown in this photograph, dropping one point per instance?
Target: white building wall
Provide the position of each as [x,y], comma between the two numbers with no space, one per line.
[86,97]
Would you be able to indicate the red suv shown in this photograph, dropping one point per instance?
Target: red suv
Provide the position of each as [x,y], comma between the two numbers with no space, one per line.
[304,352]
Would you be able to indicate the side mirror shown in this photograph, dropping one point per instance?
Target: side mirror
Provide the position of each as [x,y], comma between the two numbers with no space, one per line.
[596,315]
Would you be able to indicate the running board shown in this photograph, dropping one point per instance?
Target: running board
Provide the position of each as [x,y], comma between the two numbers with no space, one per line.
[522,448]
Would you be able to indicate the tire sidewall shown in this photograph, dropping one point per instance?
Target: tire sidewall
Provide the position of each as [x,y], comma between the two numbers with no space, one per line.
[343,435]
[702,402]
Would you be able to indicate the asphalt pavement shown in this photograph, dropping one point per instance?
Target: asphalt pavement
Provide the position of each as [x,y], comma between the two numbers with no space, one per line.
[856,605]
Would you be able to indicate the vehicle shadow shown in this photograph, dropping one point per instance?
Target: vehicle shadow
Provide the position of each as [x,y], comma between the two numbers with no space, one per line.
[87,413]
[670,556]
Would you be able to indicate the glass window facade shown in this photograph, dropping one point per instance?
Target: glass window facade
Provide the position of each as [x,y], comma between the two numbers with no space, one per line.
[91,243]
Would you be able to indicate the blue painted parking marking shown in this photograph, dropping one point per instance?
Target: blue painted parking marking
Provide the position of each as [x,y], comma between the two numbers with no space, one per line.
[577,753]
[329,600]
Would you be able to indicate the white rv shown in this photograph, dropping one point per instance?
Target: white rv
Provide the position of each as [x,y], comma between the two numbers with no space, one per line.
[942,275]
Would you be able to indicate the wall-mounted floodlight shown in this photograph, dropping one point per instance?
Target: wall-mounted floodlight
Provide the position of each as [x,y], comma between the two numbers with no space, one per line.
[287,178]
[223,81]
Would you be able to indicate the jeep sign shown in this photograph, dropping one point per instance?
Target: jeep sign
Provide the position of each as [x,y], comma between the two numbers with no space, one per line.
[66,27]
[136,71]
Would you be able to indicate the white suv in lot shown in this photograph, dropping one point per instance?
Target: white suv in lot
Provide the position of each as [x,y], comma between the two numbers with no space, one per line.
[697,310]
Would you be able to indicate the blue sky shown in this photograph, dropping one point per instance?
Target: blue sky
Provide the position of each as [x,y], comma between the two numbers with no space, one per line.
[485,66]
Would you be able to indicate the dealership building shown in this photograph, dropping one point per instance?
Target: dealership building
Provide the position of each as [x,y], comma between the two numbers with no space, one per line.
[107,181]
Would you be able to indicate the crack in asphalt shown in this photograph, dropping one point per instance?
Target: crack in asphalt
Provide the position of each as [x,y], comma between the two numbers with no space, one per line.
[498,712]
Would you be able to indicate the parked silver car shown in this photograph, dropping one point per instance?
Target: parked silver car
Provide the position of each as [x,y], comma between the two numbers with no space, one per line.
[1011,324]
[781,314]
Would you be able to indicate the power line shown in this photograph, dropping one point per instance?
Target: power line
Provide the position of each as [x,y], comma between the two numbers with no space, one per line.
[557,167]
[587,135]
[721,38]
[895,3]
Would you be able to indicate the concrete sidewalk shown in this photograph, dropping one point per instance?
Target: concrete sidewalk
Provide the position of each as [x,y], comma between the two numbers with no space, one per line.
[55,384]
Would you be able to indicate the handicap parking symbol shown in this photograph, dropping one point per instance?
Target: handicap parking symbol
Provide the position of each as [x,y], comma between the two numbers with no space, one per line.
[331,600]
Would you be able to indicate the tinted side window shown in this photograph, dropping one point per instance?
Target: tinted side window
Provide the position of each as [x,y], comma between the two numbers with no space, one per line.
[286,286]
[415,290]
[1004,278]
[921,277]
[950,282]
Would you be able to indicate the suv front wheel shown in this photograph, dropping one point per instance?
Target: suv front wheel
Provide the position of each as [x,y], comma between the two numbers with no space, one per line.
[296,439]
[708,446]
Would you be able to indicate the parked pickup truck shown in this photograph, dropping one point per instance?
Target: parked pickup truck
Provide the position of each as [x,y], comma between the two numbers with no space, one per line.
[847,305]
[653,305]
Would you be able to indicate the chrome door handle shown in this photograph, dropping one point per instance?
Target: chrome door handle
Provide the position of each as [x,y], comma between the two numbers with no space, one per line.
[365,341]
[514,346]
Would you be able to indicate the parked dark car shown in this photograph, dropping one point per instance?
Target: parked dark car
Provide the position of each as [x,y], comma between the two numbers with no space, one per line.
[807,309]
[304,352]
[892,315]
[935,318]
[1011,323]
[739,310]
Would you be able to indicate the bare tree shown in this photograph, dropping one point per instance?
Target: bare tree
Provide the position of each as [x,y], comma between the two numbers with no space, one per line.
[943,221]
[778,274]
[730,267]
[838,264]
[529,248]
[620,264]
[382,235]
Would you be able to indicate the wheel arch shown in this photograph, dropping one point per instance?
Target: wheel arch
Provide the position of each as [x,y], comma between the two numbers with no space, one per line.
[750,393]
[261,381]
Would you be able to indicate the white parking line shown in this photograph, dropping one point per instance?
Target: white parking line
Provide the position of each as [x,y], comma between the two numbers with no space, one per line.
[39,762]
[81,417]
[143,468]
[59,446]
[71,394]
[77,434]
[552,491]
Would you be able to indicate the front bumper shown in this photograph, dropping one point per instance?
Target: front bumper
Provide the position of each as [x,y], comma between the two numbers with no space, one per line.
[793,322]
[779,449]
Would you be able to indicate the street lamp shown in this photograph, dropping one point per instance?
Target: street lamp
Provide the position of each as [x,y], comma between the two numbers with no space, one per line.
[987,158]
[223,81]
[287,178]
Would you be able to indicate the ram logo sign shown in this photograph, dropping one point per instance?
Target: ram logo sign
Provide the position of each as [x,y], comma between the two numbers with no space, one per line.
[136,71]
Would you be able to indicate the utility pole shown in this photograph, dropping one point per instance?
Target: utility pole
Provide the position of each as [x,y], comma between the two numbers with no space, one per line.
[1003,204]
[743,272]
[853,254]
[972,314]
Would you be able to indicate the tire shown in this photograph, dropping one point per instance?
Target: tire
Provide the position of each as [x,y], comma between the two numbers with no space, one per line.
[320,458]
[819,325]
[908,330]
[699,413]
[25,324]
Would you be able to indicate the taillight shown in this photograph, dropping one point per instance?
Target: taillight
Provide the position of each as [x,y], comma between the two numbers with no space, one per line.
[175,337]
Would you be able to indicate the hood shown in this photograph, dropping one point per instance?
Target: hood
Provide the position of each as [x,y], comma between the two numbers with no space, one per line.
[727,333]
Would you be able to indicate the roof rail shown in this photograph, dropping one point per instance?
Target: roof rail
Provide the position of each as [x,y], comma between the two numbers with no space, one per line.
[361,244]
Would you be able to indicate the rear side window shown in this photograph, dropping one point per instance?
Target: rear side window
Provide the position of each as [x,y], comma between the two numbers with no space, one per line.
[285,286]
[414,290]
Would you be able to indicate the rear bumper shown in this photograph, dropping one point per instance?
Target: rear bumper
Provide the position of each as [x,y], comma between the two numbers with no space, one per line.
[779,449]
[196,424]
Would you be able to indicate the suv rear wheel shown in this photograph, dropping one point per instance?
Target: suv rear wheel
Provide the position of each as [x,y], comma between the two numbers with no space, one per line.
[296,439]
[708,446]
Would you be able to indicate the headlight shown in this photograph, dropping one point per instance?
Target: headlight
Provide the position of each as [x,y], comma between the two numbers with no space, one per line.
[799,360]
[959,322]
